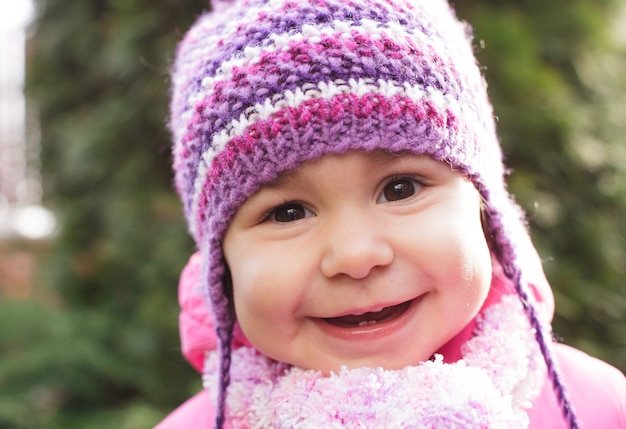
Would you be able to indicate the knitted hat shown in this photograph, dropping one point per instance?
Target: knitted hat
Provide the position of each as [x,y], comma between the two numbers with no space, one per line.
[261,86]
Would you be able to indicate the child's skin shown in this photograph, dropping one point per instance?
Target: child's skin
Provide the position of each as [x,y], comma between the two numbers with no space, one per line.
[354,233]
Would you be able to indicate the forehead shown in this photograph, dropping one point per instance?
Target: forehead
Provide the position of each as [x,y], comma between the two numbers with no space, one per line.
[370,161]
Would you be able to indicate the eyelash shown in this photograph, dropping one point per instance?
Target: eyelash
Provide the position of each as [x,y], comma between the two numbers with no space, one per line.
[417,182]
[270,214]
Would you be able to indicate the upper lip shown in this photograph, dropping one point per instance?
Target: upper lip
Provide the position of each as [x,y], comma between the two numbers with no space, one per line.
[373,308]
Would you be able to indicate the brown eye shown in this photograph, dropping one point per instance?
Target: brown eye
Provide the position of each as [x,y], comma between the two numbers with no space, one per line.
[290,212]
[399,189]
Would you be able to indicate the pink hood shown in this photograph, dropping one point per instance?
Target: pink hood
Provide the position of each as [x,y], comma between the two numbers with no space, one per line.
[197,329]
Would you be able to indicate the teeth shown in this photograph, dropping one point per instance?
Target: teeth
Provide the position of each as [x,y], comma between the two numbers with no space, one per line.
[367,323]
[378,310]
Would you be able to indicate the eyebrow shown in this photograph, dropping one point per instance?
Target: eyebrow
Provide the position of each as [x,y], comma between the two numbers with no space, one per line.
[297,177]
[291,178]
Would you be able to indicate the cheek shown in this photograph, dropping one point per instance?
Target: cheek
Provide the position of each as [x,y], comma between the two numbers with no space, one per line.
[464,253]
[266,305]
[477,274]
[246,280]
[252,288]
[266,290]
[253,309]
[475,262]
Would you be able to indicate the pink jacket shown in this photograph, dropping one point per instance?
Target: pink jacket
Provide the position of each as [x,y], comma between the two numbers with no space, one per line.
[597,390]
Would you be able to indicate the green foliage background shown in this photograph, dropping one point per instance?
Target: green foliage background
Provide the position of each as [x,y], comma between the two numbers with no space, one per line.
[556,75]
[105,354]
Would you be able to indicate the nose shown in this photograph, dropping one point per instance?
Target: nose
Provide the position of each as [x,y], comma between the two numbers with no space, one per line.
[354,246]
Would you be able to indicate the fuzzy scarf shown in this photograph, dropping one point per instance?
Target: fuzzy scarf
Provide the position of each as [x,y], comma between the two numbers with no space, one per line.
[491,387]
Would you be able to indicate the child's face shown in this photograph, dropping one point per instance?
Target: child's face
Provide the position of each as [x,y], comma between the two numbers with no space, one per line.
[360,259]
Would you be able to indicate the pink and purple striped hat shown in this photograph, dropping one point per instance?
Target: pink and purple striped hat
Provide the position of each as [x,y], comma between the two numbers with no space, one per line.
[261,86]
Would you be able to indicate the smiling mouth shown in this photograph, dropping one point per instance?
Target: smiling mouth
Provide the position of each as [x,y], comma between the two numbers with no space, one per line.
[384,315]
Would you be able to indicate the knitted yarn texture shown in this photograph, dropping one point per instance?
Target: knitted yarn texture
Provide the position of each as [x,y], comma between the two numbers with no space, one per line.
[261,86]
[491,387]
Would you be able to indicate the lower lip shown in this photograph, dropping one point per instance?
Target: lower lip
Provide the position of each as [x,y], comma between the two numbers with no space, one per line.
[369,332]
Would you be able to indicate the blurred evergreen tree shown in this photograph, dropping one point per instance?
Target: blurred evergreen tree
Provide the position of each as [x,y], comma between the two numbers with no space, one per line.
[99,76]
[555,75]
[109,357]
